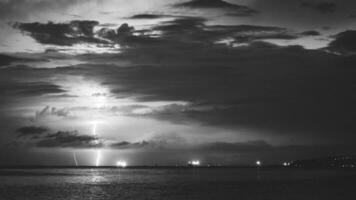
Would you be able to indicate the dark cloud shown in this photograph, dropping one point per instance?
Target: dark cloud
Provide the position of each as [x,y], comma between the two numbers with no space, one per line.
[311,33]
[117,36]
[181,29]
[29,88]
[239,10]
[148,16]
[207,4]
[45,138]
[72,139]
[157,142]
[107,33]
[8,59]
[181,24]
[194,30]
[39,88]
[322,7]
[85,28]
[64,34]
[129,145]
[20,83]
[125,30]
[344,42]
[77,32]
[216,147]
[32,131]
[5,59]
[261,86]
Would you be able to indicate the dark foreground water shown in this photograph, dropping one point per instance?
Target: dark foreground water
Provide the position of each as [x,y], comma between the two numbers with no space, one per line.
[115,184]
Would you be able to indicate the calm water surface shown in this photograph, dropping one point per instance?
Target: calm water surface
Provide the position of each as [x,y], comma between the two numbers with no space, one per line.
[234,183]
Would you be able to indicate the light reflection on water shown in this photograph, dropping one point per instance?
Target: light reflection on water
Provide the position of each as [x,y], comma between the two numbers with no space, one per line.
[117,183]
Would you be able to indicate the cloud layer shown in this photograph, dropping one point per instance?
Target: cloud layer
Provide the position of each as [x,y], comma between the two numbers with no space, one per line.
[45,138]
[242,81]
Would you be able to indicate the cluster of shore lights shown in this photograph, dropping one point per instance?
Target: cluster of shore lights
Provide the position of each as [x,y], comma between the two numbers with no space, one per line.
[121,163]
[194,162]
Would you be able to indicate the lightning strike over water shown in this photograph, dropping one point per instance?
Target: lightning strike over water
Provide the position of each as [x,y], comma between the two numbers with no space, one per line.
[75,159]
[98,152]
[98,157]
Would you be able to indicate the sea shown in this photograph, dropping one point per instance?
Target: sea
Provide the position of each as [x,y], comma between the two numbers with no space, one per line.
[177,183]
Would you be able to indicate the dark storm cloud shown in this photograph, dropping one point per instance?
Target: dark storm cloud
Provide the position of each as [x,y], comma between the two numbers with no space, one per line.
[44,137]
[289,90]
[239,10]
[60,34]
[32,131]
[262,86]
[72,139]
[193,29]
[65,34]
[344,42]
[322,7]
[79,32]
[188,29]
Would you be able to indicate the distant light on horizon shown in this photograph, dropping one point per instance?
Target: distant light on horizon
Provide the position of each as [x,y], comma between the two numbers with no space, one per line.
[121,163]
[194,162]
[258,163]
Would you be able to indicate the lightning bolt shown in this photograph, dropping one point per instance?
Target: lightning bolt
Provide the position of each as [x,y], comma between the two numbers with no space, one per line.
[75,159]
[98,152]
[98,157]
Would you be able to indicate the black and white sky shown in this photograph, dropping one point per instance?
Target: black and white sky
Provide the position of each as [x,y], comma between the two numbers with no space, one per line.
[167,81]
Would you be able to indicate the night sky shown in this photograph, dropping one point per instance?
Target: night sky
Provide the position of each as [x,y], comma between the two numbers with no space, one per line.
[166,81]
